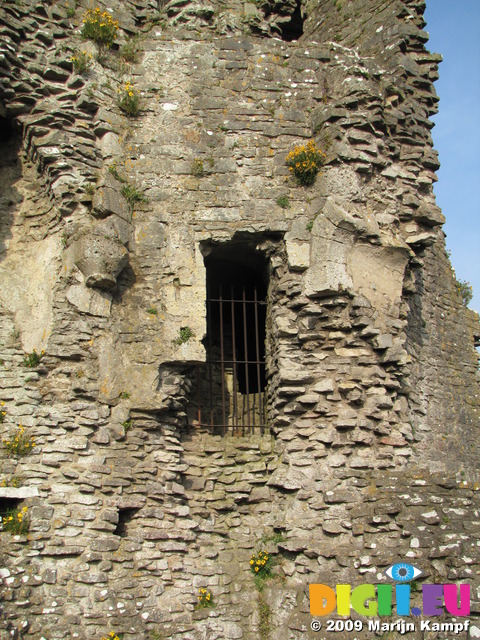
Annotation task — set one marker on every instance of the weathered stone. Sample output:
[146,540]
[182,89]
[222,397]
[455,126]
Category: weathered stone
[287,478]
[108,199]
[366,338]
[100,260]
[96,303]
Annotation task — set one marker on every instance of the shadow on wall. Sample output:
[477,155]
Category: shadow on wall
[10,173]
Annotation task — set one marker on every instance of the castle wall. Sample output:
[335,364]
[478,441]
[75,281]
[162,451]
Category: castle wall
[370,456]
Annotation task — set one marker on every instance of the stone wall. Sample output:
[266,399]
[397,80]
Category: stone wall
[371,455]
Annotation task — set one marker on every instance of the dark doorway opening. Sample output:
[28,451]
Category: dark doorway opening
[231,387]
[293,29]
[6,129]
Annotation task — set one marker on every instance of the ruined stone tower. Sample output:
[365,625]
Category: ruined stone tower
[233,362]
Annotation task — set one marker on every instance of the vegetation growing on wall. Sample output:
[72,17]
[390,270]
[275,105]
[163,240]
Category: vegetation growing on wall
[129,100]
[305,162]
[100,27]
[19,443]
[465,289]
[16,521]
[81,61]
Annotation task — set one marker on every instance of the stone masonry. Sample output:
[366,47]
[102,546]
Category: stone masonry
[370,455]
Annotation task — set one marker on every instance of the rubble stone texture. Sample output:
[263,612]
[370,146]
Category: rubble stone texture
[371,455]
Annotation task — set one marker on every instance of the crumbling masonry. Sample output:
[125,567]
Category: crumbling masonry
[366,452]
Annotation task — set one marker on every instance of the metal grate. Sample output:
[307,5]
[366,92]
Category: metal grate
[231,386]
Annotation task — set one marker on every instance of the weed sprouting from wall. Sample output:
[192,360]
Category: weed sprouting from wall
[81,61]
[32,360]
[205,599]
[305,162]
[16,521]
[184,336]
[19,443]
[100,27]
[129,100]
[465,289]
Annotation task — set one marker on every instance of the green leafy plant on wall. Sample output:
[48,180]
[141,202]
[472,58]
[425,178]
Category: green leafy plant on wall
[197,168]
[13,481]
[16,521]
[113,636]
[32,360]
[305,162]
[130,192]
[71,9]
[283,202]
[127,425]
[185,334]
[261,566]
[129,51]
[81,61]
[133,195]
[100,27]
[19,443]
[465,289]
[205,599]
[129,100]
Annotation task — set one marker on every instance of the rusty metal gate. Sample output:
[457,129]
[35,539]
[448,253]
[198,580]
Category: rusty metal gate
[231,386]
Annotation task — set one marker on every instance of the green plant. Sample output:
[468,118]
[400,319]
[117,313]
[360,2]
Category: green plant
[81,61]
[264,614]
[3,413]
[71,10]
[99,27]
[112,170]
[16,521]
[305,162]
[128,100]
[127,425]
[129,191]
[197,168]
[90,90]
[113,636]
[274,538]
[261,567]
[465,289]
[152,311]
[32,360]
[184,335]
[90,188]
[132,195]
[19,444]
[129,50]
[205,599]
[283,202]
[14,481]
[124,395]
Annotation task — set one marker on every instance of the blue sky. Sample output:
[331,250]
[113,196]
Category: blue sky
[454,28]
